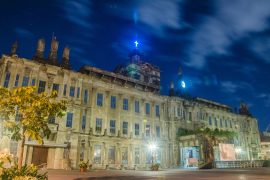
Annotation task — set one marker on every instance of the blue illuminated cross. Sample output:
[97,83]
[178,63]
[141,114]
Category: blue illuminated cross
[136,43]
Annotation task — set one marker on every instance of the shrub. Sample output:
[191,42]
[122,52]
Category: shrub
[155,167]
[9,170]
[83,164]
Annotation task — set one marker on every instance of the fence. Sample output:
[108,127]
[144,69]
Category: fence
[238,164]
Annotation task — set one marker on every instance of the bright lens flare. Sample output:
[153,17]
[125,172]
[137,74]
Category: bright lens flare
[152,146]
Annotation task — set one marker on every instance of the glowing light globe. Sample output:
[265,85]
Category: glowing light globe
[183,84]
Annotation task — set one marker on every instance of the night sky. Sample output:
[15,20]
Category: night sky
[223,46]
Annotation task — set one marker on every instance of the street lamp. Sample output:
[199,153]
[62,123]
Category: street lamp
[152,146]
[239,152]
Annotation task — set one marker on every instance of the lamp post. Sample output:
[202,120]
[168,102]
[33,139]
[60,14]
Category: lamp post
[152,146]
[239,152]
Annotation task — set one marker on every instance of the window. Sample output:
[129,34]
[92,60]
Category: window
[147,108]
[33,82]
[210,121]
[147,130]
[137,106]
[216,122]
[51,120]
[41,86]
[17,80]
[189,116]
[221,123]
[85,97]
[111,155]
[125,128]
[99,99]
[125,104]
[157,111]
[137,129]
[78,92]
[178,111]
[148,157]
[69,120]
[158,156]
[82,150]
[98,125]
[137,155]
[55,87]
[71,91]
[113,102]
[65,90]
[112,126]
[97,154]
[158,131]
[124,155]
[7,78]
[83,122]
[25,81]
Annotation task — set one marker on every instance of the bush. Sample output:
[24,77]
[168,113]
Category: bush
[83,164]
[266,163]
[9,170]
[155,167]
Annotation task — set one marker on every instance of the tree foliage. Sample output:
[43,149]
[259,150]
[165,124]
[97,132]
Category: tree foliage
[212,137]
[26,113]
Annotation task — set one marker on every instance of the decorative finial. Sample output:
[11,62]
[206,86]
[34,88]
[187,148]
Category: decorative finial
[14,48]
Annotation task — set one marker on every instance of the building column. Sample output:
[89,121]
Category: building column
[130,156]
[117,156]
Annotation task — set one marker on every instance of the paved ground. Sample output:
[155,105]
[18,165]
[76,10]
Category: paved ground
[214,174]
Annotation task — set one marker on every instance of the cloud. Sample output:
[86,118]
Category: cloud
[77,12]
[261,46]
[22,32]
[231,22]
[229,86]
[233,87]
[151,16]
[265,97]
[160,15]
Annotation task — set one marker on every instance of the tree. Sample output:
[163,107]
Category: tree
[26,114]
[211,139]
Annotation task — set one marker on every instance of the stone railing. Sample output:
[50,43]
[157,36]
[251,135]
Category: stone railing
[238,164]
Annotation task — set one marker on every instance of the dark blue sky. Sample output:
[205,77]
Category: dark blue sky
[223,46]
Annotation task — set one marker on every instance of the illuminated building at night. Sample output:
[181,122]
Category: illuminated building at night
[112,117]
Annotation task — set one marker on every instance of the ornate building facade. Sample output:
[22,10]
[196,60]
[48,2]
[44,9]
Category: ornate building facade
[111,118]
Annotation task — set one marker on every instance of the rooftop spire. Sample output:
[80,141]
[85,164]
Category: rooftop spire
[53,51]
[171,92]
[14,48]
[40,50]
[65,58]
